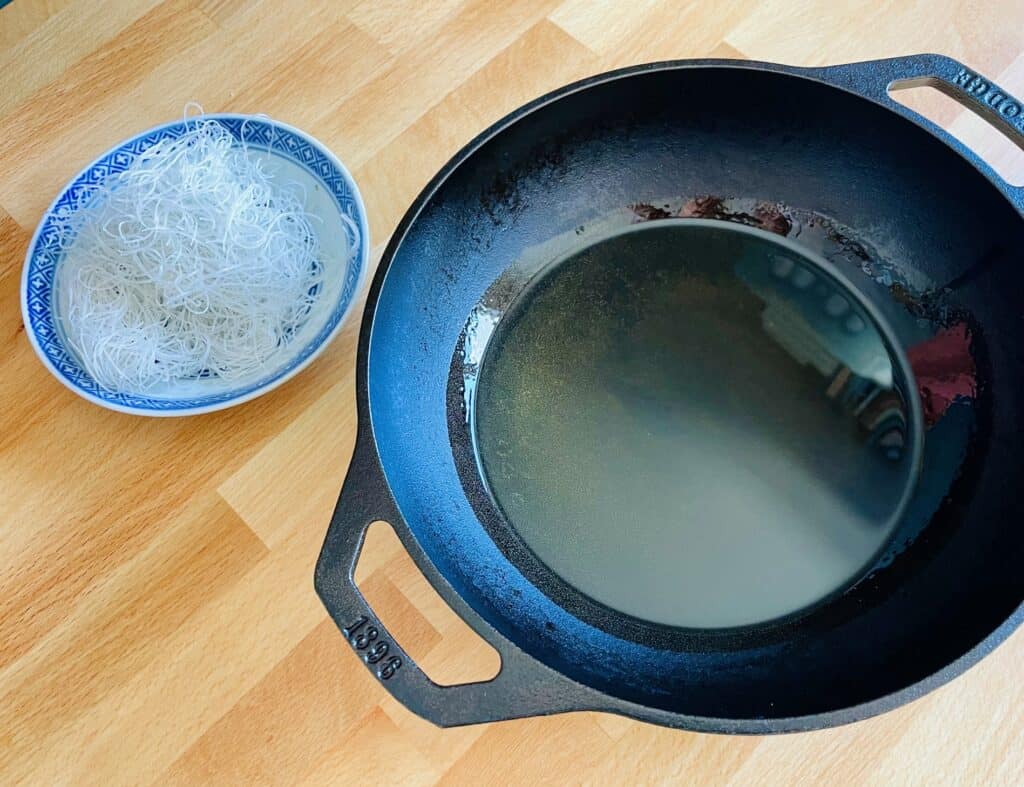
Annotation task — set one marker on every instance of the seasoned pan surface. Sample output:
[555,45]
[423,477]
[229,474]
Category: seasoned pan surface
[923,230]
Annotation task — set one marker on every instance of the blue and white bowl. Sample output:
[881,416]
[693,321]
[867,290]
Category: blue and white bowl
[285,151]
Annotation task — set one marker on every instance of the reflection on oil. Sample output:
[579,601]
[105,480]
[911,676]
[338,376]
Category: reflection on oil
[812,317]
[695,425]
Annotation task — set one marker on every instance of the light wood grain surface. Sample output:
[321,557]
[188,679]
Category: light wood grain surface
[157,615]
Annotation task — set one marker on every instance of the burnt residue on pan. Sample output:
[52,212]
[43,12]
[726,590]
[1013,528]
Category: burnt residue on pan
[771,217]
[645,211]
[945,370]
[818,232]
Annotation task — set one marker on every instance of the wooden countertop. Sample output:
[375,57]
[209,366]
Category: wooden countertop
[157,615]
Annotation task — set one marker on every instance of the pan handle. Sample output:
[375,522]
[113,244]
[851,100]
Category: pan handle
[982,96]
[522,687]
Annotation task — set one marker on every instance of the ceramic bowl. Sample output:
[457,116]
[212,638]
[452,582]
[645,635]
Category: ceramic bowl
[285,152]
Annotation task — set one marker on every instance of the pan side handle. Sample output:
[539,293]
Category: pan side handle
[522,687]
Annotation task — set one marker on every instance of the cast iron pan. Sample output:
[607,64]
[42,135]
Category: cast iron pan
[924,230]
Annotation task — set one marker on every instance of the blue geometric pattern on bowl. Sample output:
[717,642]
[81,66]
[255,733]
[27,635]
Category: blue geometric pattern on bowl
[259,134]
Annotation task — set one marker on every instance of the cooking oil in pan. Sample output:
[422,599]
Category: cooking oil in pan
[696,425]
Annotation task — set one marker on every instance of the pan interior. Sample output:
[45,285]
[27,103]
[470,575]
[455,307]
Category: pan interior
[697,425]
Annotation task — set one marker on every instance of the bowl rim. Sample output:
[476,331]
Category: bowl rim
[362,260]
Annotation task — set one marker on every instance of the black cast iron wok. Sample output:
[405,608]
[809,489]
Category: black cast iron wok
[921,226]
